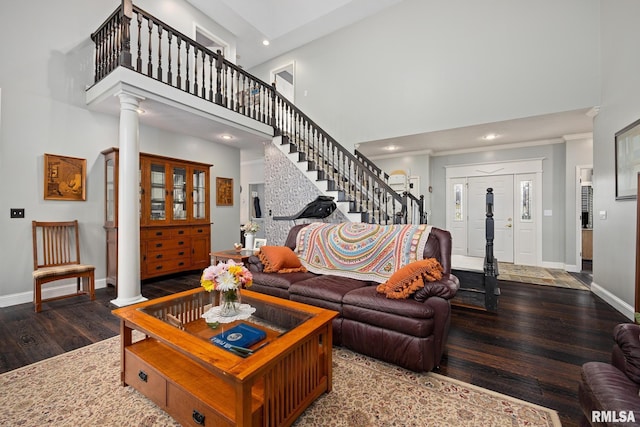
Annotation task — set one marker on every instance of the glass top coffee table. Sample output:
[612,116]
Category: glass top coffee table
[178,367]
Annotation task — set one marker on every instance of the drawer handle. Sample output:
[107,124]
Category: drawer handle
[143,376]
[200,230]
[159,233]
[181,232]
[181,243]
[181,253]
[158,245]
[198,418]
[158,256]
[181,264]
[159,267]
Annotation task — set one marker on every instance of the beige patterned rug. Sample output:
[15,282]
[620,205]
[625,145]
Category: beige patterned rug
[82,388]
[539,276]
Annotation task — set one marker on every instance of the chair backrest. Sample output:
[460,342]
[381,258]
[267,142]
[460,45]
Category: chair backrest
[55,243]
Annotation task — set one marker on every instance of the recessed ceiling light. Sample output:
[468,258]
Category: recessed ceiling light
[265,42]
[490,137]
[227,137]
[140,111]
[391,147]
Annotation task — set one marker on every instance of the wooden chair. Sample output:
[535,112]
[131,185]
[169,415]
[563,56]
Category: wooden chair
[56,256]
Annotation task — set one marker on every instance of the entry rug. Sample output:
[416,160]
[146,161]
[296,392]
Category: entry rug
[82,388]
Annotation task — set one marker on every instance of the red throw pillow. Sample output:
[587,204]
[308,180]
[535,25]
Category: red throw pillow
[279,259]
[410,278]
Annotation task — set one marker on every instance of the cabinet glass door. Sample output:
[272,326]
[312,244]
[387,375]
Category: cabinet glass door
[199,194]
[179,193]
[158,192]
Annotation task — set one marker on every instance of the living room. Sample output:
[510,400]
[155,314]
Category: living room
[576,55]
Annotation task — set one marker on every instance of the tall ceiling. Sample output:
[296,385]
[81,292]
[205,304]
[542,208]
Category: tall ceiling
[289,24]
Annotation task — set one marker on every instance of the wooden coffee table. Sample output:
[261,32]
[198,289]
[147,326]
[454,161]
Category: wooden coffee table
[198,383]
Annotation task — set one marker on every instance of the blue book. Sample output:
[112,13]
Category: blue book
[239,338]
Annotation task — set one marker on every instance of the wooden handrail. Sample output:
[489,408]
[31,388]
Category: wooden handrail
[133,38]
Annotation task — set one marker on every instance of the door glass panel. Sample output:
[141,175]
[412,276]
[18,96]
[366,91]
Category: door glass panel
[111,200]
[180,193]
[199,185]
[457,197]
[525,201]
[158,191]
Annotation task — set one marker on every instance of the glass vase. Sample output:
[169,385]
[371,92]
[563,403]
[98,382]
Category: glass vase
[230,303]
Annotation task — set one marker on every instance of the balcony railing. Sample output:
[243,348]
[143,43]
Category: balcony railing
[133,38]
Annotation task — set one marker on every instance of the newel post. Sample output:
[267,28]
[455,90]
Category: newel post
[489,234]
[126,12]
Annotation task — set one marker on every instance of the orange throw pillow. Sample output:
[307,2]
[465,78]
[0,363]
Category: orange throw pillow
[410,278]
[279,259]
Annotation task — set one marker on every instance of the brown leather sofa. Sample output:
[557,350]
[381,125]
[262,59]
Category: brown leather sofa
[411,333]
[609,392]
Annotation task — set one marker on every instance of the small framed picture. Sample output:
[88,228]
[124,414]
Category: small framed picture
[64,178]
[258,243]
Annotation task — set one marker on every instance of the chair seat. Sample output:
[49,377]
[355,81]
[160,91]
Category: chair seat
[62,270]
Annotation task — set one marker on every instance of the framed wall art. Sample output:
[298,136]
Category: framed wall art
[65,178]
[627,161]
[224,191]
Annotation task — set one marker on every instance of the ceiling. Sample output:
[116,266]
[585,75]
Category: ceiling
[288,24]
[544,129]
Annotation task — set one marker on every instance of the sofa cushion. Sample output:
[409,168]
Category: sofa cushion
[279,259]
[282,280]
[410,278]
[326,287]
[369,298]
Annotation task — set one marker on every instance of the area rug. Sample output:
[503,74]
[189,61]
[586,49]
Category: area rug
[539,276]
[82,388]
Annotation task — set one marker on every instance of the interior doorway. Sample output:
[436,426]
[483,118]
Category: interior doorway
[584,226]
[285,80]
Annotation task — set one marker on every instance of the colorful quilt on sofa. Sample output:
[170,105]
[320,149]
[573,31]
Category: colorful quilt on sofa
[360,251]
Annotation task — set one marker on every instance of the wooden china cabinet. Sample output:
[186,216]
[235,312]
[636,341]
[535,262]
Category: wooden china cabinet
[175,226]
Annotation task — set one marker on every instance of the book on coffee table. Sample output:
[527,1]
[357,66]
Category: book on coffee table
[239,338]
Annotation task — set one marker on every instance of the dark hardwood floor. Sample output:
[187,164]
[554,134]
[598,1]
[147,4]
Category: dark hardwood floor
[532,349]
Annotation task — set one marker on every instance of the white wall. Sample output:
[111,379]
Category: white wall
[614,246]
[47,62]
[426,65]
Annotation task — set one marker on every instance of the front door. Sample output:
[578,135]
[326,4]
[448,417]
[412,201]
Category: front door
[502,215]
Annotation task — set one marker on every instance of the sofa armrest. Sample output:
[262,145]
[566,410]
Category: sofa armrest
[254,264]
[626,352]
[445,288]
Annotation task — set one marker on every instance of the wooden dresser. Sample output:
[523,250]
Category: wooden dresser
[175,226]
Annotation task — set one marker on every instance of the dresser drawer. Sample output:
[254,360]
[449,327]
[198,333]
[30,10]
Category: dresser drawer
[139,375]
[201,230]
[155,233]
[167,266]
[189,411]
[162,245]
[167,254]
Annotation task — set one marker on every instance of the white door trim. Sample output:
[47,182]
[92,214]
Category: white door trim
[509,167]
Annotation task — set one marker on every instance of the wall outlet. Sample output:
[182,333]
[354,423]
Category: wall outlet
[17,213]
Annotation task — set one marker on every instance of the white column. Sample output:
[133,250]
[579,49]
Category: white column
[128,204]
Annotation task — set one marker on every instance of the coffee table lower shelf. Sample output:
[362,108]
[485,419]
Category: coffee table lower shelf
[182,388]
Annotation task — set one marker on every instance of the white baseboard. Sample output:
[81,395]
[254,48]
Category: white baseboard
[51,291]
[613,300]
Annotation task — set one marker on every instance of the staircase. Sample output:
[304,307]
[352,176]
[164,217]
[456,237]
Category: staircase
[132,38]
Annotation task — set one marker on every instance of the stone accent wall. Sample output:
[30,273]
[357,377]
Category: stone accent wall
[287,191]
